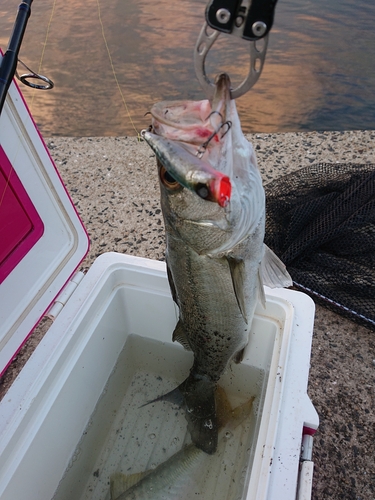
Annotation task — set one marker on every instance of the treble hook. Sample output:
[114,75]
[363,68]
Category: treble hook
[202,148]
[24,79]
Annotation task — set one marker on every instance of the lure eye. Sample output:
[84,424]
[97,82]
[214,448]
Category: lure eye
[202,191]
[168,180]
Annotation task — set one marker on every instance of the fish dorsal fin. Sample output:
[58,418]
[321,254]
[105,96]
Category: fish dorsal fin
[179,335]
[274,273]
[237,271]
[119,483]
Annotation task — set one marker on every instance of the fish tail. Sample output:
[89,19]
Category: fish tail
[197,395]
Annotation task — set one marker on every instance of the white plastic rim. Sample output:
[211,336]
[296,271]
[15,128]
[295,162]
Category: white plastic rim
[45,412]
[31,287]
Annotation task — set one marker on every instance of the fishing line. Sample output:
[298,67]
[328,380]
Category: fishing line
[6,184]
[114,72]
[32,98]
[44,46]
[2,195]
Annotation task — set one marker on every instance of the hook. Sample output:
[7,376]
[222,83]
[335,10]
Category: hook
[202,148]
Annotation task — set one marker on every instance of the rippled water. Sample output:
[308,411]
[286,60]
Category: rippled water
[319,72]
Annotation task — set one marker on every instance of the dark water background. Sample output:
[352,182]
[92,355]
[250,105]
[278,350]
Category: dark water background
[319,72]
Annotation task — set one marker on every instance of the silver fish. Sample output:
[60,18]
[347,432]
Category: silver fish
[165,481]
[213,205]
[168,479]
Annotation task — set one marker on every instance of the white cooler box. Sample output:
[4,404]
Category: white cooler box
[73,416]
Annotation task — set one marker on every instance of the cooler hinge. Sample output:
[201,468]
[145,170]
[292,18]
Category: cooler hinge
[64,295]
[306,469]
[307,446]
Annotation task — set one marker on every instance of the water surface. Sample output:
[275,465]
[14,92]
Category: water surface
[319,72]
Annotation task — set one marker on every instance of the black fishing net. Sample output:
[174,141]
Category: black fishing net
[321,223]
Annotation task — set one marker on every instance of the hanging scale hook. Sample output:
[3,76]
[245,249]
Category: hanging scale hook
[206,39]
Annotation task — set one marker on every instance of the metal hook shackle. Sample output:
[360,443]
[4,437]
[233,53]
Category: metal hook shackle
[202,47]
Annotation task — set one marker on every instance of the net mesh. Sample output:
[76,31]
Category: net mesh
[321,223]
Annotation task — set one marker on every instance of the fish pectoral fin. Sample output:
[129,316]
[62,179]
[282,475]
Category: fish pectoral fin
[274,273]
[179,335]
[119,482]
[237,271]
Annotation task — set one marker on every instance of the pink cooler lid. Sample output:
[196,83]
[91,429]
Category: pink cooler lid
[42,239]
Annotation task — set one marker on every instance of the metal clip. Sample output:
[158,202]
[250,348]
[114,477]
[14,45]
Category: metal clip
[32,74]
[249,19]
[205,41]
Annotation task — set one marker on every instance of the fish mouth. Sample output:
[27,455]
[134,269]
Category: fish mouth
[222,95]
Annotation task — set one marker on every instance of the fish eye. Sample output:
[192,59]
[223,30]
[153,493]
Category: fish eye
[167,179]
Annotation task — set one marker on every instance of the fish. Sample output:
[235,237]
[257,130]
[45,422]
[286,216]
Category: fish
[169,478]
[213,205]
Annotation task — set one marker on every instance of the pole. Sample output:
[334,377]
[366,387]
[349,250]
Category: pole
[9,61]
